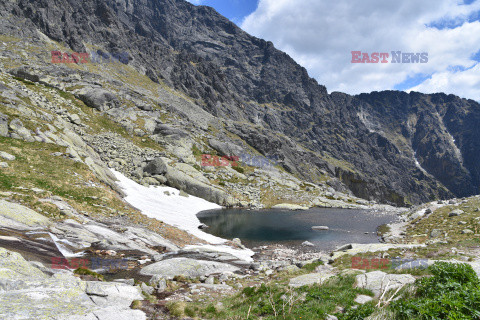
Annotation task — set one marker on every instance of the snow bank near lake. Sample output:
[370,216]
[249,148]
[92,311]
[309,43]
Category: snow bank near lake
[175,210]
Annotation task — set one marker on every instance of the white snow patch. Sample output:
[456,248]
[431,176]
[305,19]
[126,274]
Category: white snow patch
[175,210]
[457,151]
[419,166]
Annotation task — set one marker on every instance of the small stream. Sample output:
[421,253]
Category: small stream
[291,228]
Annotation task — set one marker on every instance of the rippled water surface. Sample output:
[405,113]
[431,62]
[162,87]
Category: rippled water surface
[264,227]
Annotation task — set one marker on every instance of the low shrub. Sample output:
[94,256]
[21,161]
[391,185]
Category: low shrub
[453,292]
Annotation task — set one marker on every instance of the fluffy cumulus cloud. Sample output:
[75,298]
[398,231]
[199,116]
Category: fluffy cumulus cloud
[321,34]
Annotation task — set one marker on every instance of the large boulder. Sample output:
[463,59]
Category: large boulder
[98,98]
[456,213]
[24,73]
[28,293]
[225,148]
[378,281]
[166,130]
[180,180]
[186,267]
[149,125]
[19,131]
[156,166]
[3,125]
[309,279]
[7,156]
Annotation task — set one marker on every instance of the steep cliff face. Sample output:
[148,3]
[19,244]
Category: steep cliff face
[439,131]
[389,146]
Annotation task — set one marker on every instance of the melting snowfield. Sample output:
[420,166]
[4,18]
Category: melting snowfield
[167,205]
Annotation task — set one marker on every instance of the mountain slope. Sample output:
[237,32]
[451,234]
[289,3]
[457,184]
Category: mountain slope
[389,146]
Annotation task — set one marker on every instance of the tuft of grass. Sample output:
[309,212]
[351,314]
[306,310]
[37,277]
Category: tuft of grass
[190,311]
[310,267]
[136,304]
[88,272]
[177,308]
[239,169]
[383,229]
[359,313]
[196,152]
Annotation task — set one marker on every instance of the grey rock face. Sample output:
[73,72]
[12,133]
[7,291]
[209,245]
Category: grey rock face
[3,125]
[180,180]
[186,267]
[20,131]
[166,130]
[28,293]
[98,98]
[16,216]
[225,148]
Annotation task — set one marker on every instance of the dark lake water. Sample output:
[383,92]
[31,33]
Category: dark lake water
[262,227]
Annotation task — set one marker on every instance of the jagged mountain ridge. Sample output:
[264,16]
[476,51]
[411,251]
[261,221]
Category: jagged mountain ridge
[270,102]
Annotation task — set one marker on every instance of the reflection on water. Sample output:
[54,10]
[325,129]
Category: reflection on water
[293,227]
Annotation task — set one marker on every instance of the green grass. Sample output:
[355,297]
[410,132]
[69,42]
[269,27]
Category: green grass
[239,169]
[278,301]
[452,291]
[36,167]
[196,151]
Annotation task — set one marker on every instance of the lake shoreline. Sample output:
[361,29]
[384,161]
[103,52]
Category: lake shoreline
[271,228]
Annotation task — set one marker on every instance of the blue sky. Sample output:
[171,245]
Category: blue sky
[320,35]
[235,10]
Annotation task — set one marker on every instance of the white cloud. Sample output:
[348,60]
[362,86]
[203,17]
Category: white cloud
[195,2]
[321,34]
[464,83]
